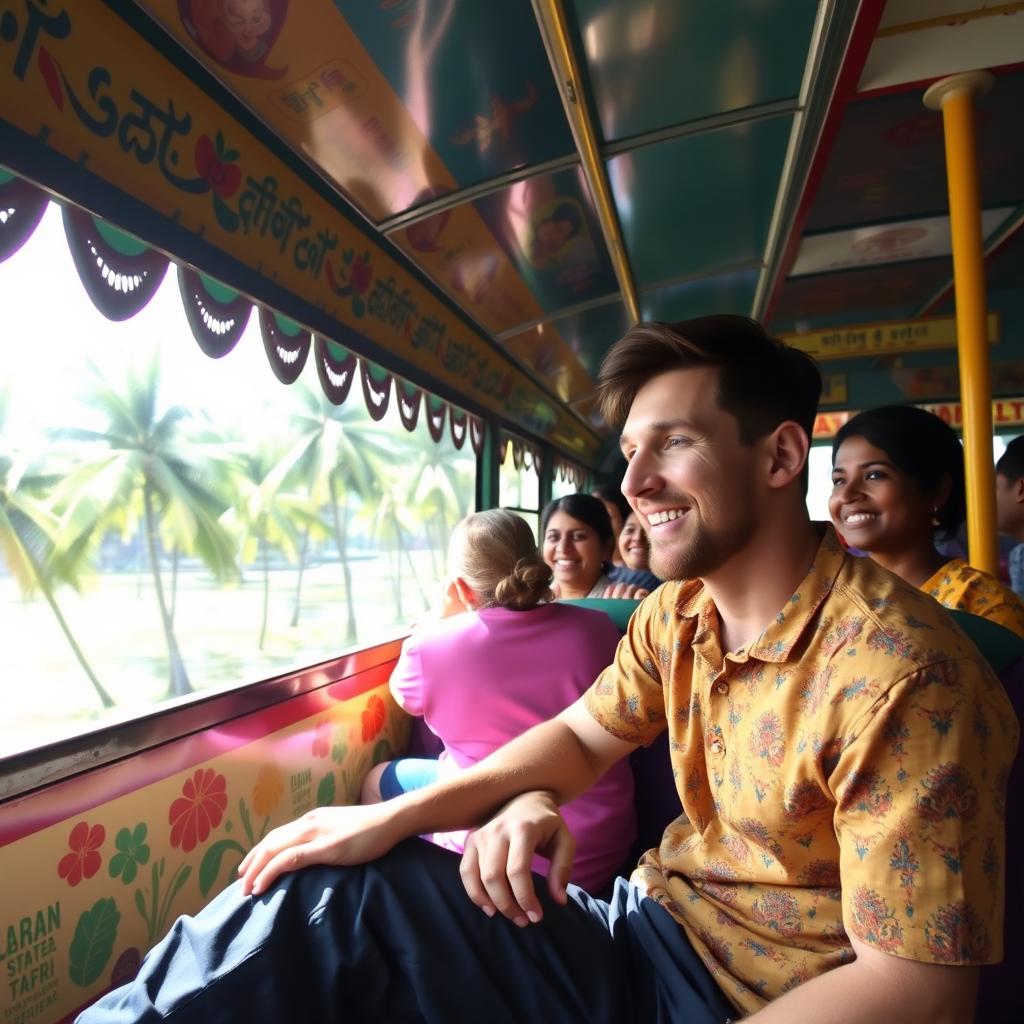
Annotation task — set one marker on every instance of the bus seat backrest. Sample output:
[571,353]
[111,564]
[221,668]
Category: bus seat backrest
[1000,994]
[999,646]
[618,609]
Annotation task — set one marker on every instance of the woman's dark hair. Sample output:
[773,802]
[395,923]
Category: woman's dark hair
[611,493]
[584,507]
[923,446]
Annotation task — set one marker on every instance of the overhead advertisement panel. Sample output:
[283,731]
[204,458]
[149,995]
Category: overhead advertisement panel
[920,239]
[887,337]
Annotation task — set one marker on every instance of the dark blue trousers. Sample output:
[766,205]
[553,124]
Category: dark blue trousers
[398,941]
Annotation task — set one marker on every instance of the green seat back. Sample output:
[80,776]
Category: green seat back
[999,646]
[618,609]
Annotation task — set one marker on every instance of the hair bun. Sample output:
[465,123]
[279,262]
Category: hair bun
[526,586]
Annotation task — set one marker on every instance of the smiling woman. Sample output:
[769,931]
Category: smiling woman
[577,544]
[897,481]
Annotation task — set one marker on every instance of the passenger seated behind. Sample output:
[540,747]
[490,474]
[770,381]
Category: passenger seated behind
[1010,508]
[898,477]
[504,658]
[577,542]
[618,510]
[635,549]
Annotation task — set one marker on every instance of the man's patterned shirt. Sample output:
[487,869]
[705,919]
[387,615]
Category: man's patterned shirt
[844,774]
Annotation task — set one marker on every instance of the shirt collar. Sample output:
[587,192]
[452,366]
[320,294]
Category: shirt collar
[779,638]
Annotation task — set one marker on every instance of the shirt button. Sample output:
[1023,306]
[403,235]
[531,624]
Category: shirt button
[717,748]
[722,687]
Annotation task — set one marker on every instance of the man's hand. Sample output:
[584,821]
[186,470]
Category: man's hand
[327,835]
[496,865]
[628,590]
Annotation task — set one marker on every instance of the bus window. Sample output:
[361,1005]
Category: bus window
[173,523]
[568,478]
[519,479]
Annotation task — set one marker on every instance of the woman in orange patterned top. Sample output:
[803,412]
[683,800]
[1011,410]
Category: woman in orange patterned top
[897,481]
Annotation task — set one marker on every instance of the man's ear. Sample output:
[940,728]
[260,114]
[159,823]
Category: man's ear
[1018,490]
[787,447]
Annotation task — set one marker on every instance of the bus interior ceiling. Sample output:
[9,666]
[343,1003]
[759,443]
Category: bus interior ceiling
[475,200]
[553,173]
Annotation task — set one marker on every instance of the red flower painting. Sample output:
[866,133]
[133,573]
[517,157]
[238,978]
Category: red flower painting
[198,810]
[361,274]
[84,859]
[373,718]
[213,164]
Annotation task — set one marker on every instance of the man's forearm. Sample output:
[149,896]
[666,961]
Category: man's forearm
[548,757]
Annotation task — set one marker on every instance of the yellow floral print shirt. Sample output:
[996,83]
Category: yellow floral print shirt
[961,586]
[846,773]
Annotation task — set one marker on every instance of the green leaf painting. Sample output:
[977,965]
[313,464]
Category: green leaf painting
[93,944]
[209,869]
[325,791]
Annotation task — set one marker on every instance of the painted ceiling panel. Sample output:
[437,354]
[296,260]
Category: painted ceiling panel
[517,254]
[543,350]
[655,63]
[588,334]
[888,162]
[548,228]
[701,201]
[389,99]
[727,293]
[478,85]
[858,296]
[457,250]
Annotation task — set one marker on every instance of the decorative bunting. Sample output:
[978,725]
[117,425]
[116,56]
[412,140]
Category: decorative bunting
[119,273]
[458,421]
[216,314]
[376,388]
[286,344]
[566,470]
[21,209]
[336,372]
[410,400]
[477,433]
[435,417]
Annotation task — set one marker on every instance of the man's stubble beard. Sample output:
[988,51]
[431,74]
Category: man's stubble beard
[705,551]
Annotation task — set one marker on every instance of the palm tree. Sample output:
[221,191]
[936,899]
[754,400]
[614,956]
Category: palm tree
[143,459]
[27,532]
[440,493]
[336,453]
[390,528]
[265,515]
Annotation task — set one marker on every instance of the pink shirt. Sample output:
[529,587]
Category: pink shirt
[481,678]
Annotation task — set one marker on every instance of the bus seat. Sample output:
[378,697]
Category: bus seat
[1000,995]
[618,609]
[999,646]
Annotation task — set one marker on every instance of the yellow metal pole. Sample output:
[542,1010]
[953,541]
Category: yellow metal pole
[954,96]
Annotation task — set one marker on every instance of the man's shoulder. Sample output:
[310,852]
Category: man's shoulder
[885,615]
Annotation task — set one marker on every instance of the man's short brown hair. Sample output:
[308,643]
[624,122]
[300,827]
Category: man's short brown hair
[761,381]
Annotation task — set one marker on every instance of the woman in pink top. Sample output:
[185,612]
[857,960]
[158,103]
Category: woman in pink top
[504,658]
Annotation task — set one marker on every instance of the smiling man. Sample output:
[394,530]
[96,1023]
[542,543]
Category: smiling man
[840,755]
